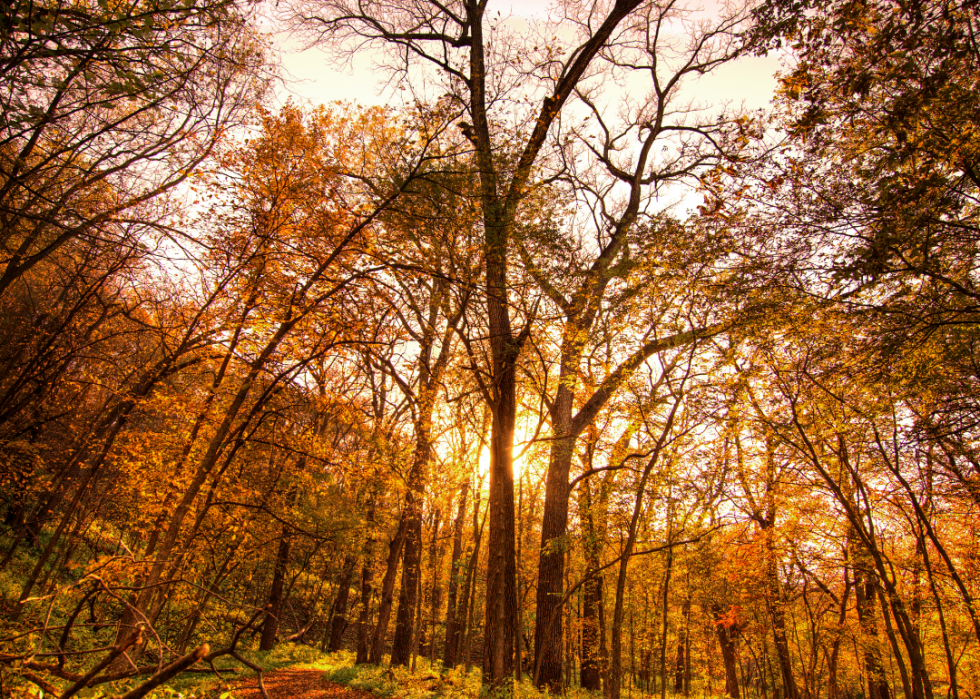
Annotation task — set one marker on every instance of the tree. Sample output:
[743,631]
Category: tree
[106,108]
[634,256]
[455,41]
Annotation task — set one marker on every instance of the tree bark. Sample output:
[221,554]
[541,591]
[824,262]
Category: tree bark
[726,641]
[338,611]
[866,590]
[548,629]
[387,592]
[452,619]
[270,625]
[401,645]
[435,597]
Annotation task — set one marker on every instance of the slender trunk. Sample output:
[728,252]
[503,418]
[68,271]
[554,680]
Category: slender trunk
[435,598]
[954,692]
[866,590]
[467,603]
[616,667]
[338,611]
[909,686]
[417,625]
[726,642]
[401,645]
[775,606]
[452,620]
[367,588]
[593,636]
[682,677]
[833,659]
[270,625]
[592,655]
[664,610]
[387,592]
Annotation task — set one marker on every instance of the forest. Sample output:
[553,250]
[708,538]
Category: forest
[555,371]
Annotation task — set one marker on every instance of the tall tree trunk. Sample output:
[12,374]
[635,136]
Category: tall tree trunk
[435,597]
[616,650]
[270,625]
[909,686]
[548,629]
[367,588]
[430,376]
[387,592]
[498,221]
[726,642]
[833,659]
[866,589]
[591,673]
[401,645]
[954,691]
[682,676]
[775,607]
[466,603]
[501,609]
[455,571]
[338,611]
[665,608]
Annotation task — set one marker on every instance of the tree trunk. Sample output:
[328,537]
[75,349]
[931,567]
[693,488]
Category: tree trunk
[401,645]
[338,611]
[548,628]
[367,587]
[467,601]
[501,608]
[387,592]
[452,619]
[726,641]
[665,608]
[592,657]
[270,625]
[682,667]
[435,598]
[866,589]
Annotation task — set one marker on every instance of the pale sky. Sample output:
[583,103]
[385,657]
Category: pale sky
[314,78]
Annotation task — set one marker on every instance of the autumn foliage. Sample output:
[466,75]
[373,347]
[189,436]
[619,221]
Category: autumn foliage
[660,397]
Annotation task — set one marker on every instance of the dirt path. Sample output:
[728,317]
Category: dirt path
[302,684]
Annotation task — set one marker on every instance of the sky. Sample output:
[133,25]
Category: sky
[313,77]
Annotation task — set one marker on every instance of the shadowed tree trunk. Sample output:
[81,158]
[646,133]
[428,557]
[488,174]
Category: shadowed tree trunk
[455,570]
[387,593]
[270,625]
[338,611]
[726,641]
[401,645]
[435,597]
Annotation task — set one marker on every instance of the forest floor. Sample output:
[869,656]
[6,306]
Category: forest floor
[302,684]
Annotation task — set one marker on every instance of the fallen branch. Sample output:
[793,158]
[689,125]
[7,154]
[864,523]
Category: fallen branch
[34,679]
[169,672]
[83,681]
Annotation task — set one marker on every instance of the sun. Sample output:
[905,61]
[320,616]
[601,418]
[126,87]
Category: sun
[484,464]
